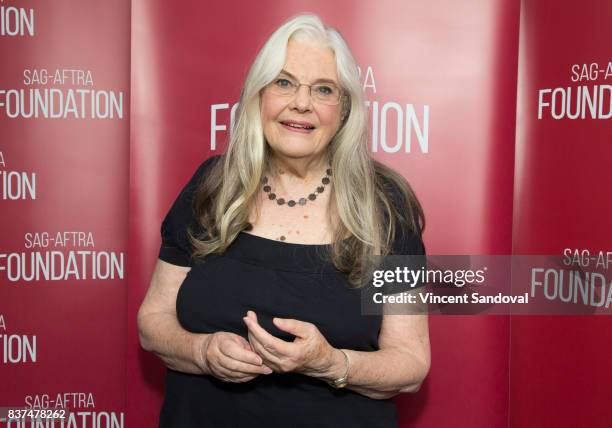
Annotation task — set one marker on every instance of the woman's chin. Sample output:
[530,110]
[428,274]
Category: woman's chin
[296,150]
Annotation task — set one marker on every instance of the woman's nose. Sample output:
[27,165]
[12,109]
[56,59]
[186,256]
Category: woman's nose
[302,99]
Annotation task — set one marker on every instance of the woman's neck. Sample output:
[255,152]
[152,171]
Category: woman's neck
[298,168]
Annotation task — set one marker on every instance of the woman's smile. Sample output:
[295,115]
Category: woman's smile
[301,127]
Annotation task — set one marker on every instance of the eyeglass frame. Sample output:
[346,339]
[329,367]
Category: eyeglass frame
[298,84]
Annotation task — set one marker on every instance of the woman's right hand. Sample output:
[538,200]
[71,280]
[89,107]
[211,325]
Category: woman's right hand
[229,357]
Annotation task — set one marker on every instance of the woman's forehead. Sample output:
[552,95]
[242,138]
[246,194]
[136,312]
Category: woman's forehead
[309,61]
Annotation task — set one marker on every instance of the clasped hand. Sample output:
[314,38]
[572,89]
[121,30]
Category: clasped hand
[232,358]
[308,354]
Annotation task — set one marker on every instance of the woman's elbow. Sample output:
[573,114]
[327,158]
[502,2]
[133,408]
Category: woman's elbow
[143,337]
[420,375]
[411,389]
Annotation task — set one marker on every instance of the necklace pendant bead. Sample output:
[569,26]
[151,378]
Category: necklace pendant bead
[302,201]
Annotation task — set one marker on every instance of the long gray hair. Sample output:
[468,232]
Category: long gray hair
[362,206]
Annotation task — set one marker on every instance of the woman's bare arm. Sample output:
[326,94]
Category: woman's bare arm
[400,365]
[158,326]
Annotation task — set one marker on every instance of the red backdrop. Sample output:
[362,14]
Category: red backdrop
[562,201]
[77,161]
[454,64]
[448,69]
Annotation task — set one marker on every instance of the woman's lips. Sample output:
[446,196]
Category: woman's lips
[298,130]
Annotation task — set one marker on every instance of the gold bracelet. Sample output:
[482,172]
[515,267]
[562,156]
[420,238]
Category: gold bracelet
[343,381]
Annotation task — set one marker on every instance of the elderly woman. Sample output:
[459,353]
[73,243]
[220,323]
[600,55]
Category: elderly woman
[255,304]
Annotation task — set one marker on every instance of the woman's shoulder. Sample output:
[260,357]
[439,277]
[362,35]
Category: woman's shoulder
[400,203]
[205,167]
[201,173]
[184,203]
[176,248]
[395,188]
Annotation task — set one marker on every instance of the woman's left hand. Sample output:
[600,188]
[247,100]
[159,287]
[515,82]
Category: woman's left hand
[308,354]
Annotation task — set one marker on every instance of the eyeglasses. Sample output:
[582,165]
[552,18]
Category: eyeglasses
[324,93]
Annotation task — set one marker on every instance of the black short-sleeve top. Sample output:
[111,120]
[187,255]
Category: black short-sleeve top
[274,279]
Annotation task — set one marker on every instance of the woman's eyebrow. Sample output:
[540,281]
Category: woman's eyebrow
[320,80]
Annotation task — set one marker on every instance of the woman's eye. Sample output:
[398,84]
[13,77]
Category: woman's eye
[283,83]
[325,90]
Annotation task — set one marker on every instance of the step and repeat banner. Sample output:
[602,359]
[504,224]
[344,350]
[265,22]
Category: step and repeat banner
[110,105]
[563,206]
[440,83]
[64,180]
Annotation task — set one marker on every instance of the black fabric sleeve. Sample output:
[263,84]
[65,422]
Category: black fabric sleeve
[406,242]
[175,246]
